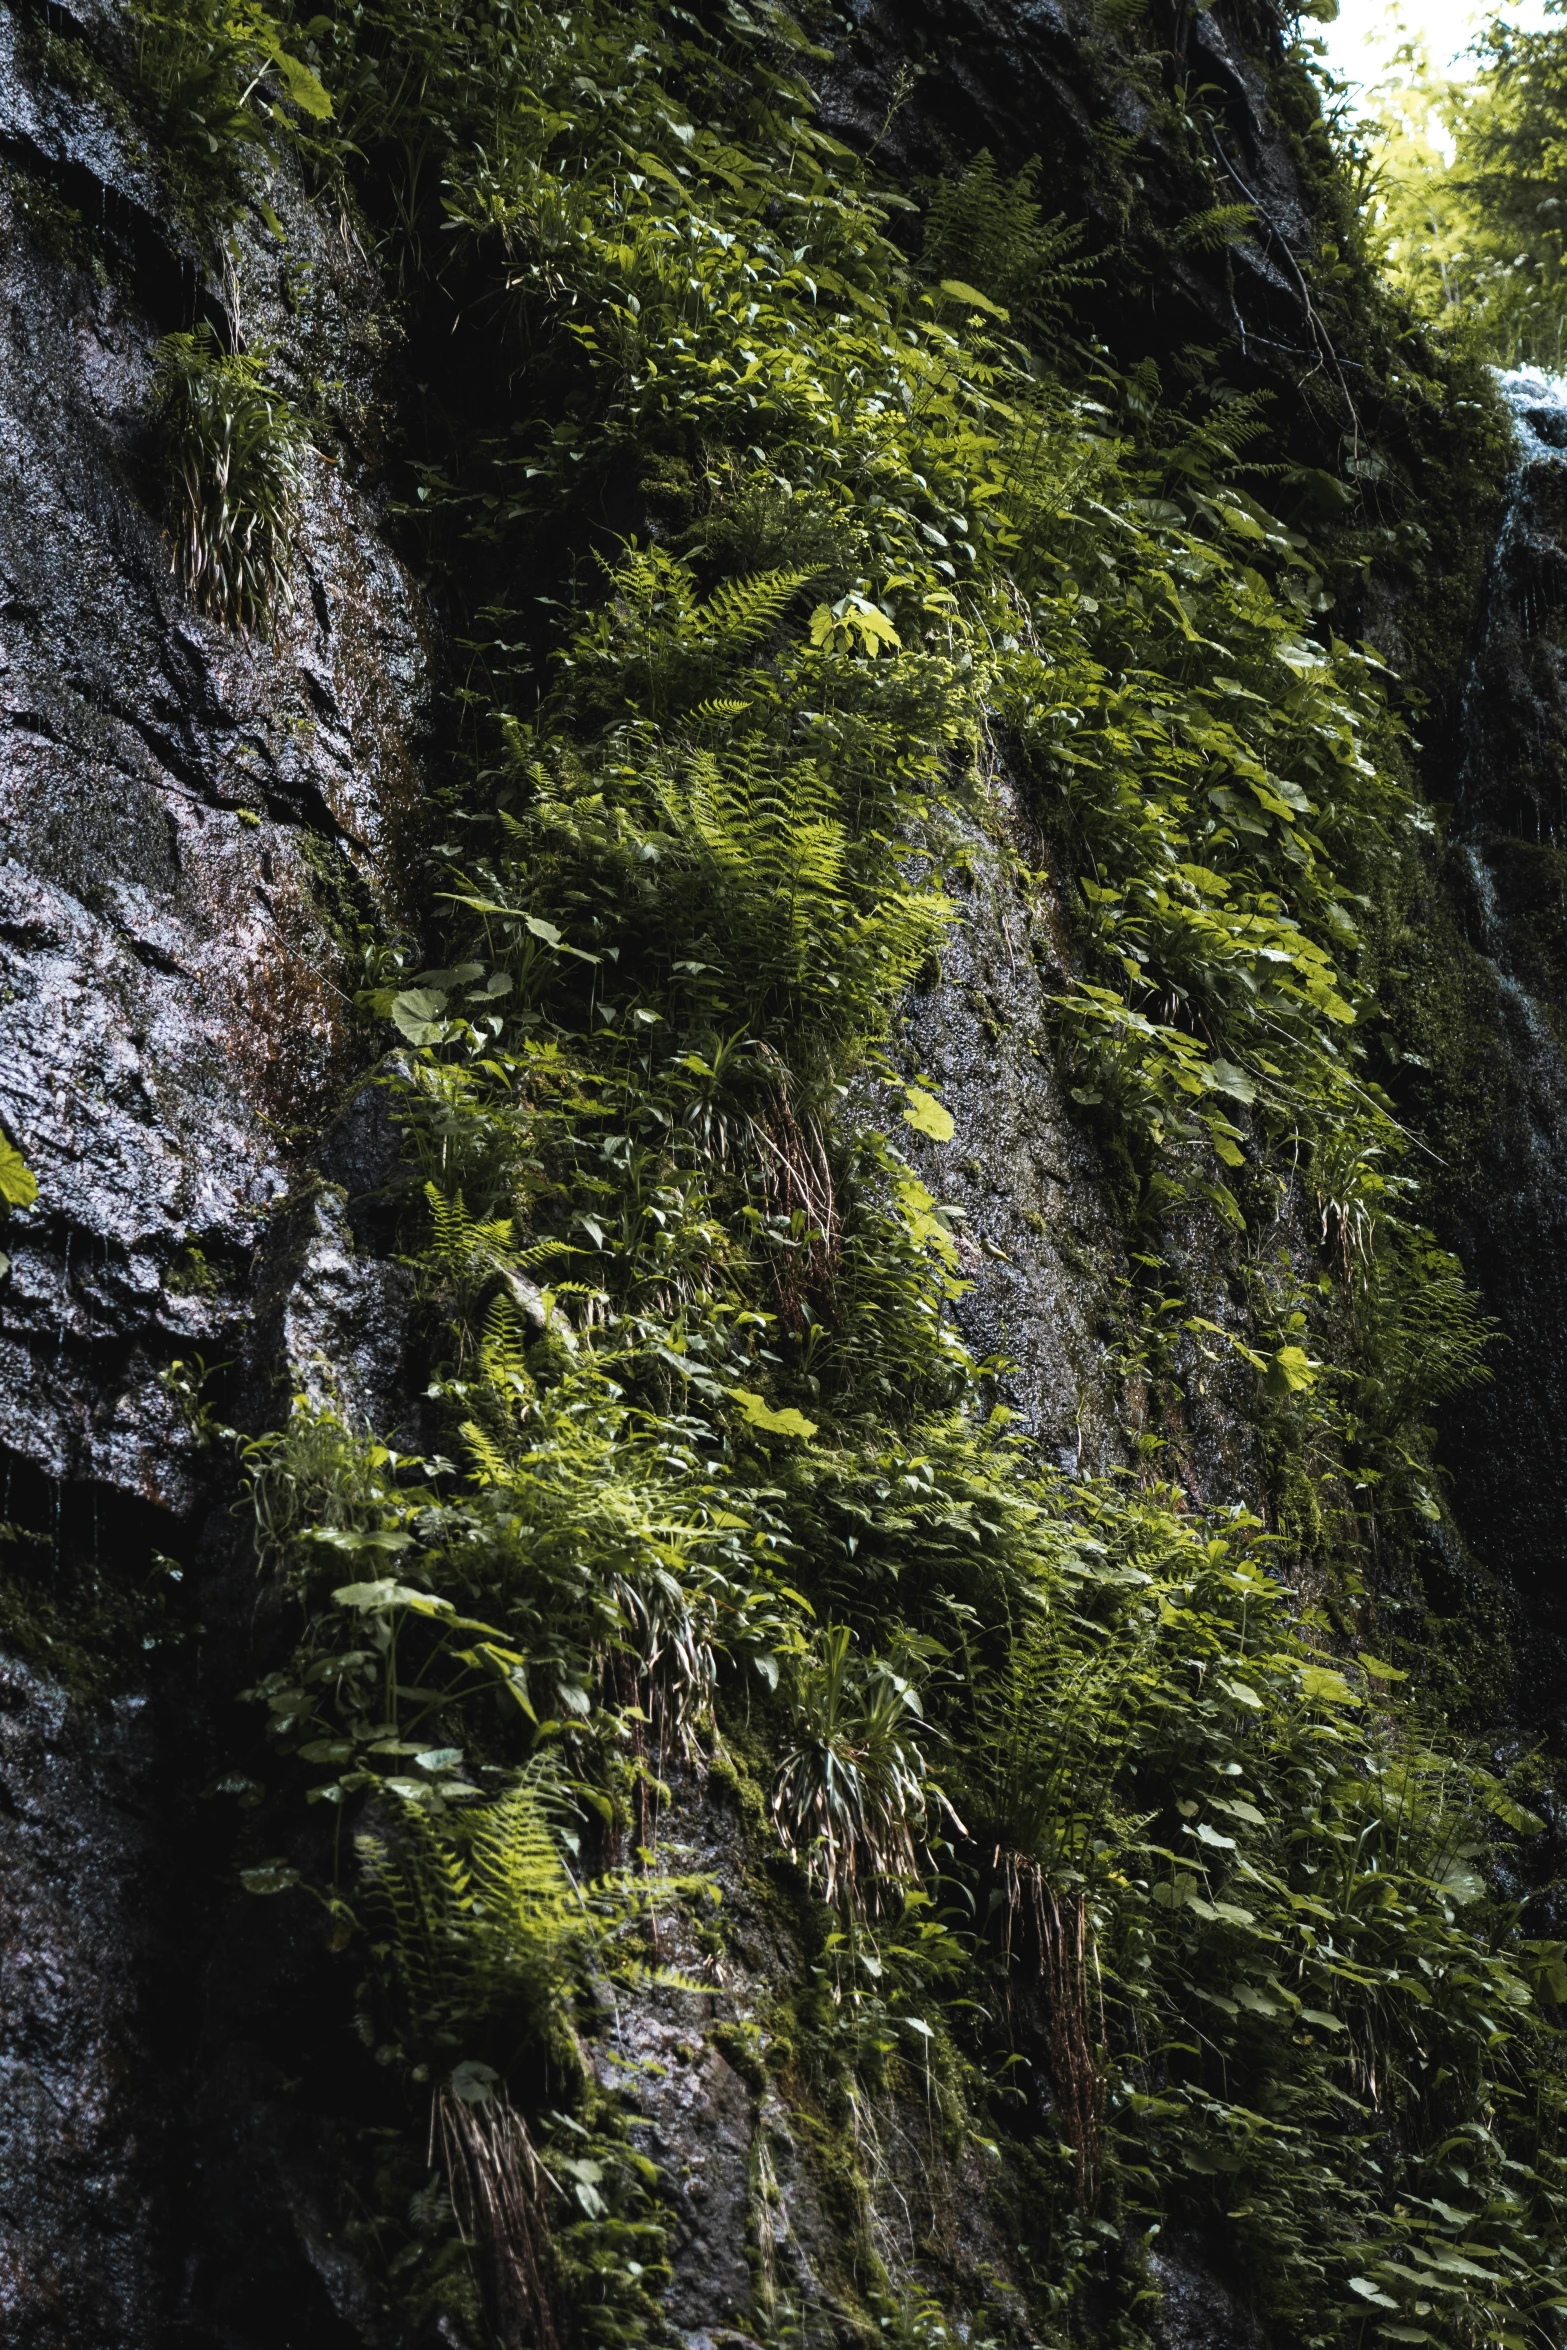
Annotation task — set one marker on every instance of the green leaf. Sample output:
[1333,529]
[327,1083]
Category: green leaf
[1375,1667]
[273,1876]
[417,1013]
[361,1538]
[1370,2292]
[758,1413]
[1293,1370]
[473,2082]
[1462,1882]
[375,1598]
[302,86]
[956,291]
[1235,1082]
[18,1183]
[1327,1687]
[926,1115]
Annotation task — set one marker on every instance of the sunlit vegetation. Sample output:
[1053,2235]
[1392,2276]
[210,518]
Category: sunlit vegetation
[1467,189]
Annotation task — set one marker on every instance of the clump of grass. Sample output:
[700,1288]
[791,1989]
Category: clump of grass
[233,447]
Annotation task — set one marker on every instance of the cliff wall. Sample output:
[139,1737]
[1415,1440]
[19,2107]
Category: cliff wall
[222,878]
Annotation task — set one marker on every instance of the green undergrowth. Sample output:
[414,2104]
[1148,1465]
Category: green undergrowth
[1135,1857]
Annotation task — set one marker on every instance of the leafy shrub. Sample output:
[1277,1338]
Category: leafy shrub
[226,85]
[851,1791]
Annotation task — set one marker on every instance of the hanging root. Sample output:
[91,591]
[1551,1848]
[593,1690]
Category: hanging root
[1071,2013]
[497,2189]
[797,1180]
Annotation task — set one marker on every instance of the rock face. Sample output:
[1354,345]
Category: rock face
[928,84]
[1508,850]
[191,823]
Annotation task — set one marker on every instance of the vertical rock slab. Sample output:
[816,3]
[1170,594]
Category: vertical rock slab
[191,825]
[1507,1442]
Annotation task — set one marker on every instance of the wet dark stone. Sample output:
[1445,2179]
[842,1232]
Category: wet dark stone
[190,825]
[1506,1443]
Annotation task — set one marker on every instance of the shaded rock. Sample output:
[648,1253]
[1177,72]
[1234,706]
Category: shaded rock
[191,825]
[1038,1249]
[88,1935]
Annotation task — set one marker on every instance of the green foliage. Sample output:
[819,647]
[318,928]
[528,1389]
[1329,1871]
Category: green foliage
[226,84]
[476,1917]
[1301,1962]
[18,1183]
[987,230]
[708,1425]
[1467,189]
[850,1795]
[232,449]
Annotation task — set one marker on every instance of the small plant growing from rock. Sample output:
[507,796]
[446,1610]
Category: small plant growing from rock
[232,447]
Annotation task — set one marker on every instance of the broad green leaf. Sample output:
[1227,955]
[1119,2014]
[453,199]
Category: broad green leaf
[473,2082]
[1326,1686]
[418,1013]
[273,1876]
[957,291]
[373,1598]
[18,1183]
[926,1115]
[301,85]
[1462,1882]
[758,1413]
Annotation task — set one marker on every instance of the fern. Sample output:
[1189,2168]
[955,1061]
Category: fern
[477,1917]
[1211,231]
[742,612]
[986,230]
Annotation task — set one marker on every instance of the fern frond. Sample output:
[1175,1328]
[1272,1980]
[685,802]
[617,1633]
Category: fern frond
[1210,231]
[743,611]
[502,1351]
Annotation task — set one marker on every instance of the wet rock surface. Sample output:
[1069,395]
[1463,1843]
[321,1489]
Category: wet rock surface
[926,85]
[1038,1248]
[1507,1442]
[87,1931]
[191,825]
[768,2229]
